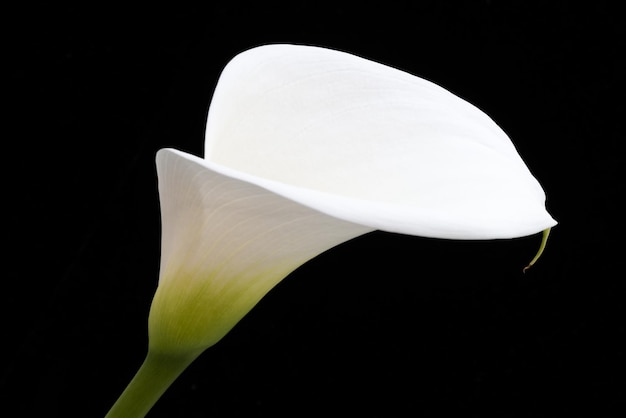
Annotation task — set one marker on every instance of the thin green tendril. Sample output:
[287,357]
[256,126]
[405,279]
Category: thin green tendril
[544,241]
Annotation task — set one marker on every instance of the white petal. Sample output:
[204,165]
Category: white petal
[369,144]
[225,244]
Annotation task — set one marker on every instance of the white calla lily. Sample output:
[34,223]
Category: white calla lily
[306,148]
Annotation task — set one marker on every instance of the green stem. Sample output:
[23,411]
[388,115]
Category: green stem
[155,375]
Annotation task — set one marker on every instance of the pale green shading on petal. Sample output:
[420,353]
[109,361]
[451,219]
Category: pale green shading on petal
[225,244]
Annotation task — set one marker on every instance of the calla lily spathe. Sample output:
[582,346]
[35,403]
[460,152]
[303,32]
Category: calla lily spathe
[307,148]
[225,244]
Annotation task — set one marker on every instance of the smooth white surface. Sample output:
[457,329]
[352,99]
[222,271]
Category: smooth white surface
[369,144]
[232,228]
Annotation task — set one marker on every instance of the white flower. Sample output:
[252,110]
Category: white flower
[306,148]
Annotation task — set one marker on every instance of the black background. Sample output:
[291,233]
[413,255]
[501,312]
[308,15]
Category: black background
[383,324]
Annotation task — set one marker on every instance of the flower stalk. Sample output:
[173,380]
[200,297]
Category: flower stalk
[156,374]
